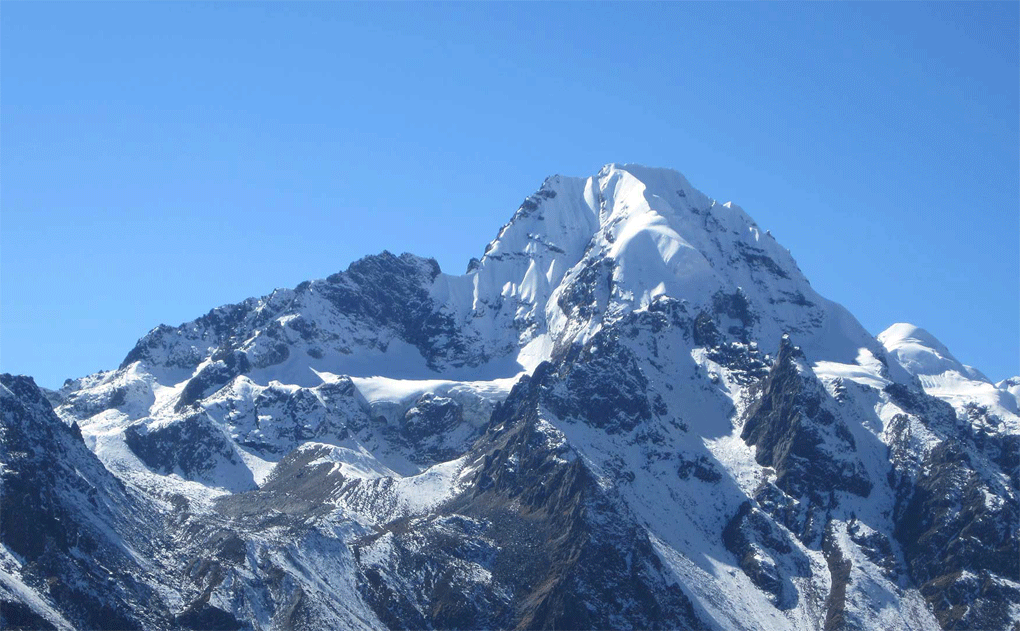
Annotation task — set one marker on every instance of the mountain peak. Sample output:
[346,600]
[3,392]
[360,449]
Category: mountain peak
[905,332]
[598,390]
[921,353]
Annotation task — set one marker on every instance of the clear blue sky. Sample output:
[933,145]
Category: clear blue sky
[159,159]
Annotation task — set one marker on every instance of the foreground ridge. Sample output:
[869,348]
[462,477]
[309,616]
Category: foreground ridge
[632,411]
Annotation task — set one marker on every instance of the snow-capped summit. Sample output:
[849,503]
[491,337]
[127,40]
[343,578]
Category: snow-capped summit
[633,411]
[620,239]
[920,353]
[1012,385]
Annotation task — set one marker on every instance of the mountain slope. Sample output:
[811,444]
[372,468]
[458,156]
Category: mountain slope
[76,550]
[633,411]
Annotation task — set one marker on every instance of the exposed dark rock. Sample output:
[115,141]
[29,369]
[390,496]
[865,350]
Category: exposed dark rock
[296,487]
[836,617]
[701,468]
[205,617]
[786,423]
[735,307]
[876,546]
[226,365]
[427,427]
[757,544]
[17,616]
[218,326]
[55,492]
[604,385]
[589,289]
[193,447]
[564,559]
[85,405]
[757,259]
[957,542]
[706,333]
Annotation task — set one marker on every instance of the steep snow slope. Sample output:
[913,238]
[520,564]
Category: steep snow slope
[633,411]
[920,354]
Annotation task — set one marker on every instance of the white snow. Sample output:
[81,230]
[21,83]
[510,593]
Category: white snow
[923,356]
[643,233]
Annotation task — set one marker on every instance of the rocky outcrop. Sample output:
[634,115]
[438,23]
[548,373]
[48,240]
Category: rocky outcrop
[959,540]
[795,433]
[76,532]
[532,543]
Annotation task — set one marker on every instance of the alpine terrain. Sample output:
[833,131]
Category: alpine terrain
[632,412]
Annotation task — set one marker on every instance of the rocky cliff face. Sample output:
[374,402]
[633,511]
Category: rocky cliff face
[633,411]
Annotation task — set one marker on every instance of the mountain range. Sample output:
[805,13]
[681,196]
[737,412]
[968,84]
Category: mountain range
[632,411]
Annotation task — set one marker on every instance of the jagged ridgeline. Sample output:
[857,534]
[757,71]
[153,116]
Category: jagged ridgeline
[631,412]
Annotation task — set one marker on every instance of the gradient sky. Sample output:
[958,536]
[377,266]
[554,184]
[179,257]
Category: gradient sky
[160,159]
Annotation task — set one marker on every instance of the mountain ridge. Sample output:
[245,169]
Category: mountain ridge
[633,382]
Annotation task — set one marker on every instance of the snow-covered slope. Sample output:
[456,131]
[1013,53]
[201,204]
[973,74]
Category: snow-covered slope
[921,355]
[633,411]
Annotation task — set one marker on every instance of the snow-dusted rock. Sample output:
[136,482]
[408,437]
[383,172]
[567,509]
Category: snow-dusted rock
[633,411]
